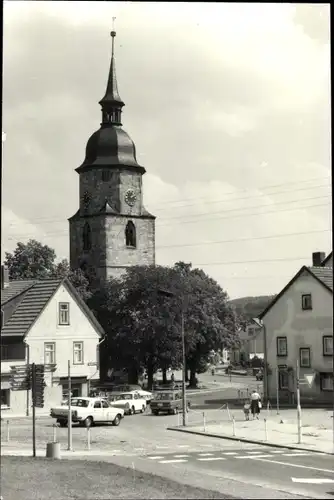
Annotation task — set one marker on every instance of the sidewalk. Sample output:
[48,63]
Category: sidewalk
[272,429]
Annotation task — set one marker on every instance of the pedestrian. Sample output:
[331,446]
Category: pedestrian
[255,404]
[247,407]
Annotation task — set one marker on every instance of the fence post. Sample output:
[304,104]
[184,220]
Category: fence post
[268,408]
[204,426]
[54,433]
[178,419]
[7,431]
[88,438]
[233,425]
[265,430]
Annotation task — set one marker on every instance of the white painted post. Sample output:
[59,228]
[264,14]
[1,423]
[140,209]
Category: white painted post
[299,410]
[88,438]
[277,391]
[7,431]
[204,426]
[228,411]
[265,430]
[54,433]
[233,425]
[178,419]
[69,418]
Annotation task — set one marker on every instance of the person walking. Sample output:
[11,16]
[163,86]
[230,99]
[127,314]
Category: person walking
[255,404]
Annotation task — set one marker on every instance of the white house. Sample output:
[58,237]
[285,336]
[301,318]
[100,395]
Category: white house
[298,325]
[47,322]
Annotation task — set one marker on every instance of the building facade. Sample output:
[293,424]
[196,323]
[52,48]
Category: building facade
[299,328]
[46,322]
[112,230]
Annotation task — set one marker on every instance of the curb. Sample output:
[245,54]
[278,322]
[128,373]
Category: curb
[251,441]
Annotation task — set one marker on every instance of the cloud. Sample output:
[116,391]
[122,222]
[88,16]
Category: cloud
[222,100]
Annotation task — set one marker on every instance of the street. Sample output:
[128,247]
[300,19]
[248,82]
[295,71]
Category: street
[142,442]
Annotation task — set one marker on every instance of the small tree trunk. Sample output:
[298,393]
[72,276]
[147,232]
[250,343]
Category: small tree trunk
[150,377]
[187,375]
[164,376]
[133,375]
[192,378]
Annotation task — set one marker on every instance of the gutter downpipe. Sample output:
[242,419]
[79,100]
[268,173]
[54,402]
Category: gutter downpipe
[28,391]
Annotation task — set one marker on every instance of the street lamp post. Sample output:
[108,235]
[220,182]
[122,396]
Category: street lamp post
[167,293]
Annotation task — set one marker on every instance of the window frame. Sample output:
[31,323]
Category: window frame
[82,352]
[281,374]
[301,349]
[53,351]
[323,376]
[324,338]
[278,354]
[304,306]
[60,310]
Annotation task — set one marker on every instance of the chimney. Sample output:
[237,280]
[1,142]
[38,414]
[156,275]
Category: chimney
[4,277]
[318,258]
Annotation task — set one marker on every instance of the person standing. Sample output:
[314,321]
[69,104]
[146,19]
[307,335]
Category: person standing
[255,404]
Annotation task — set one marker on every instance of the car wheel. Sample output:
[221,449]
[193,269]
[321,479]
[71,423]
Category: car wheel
[88,422]
[62,423]
[155,412]
[142,409]
[117,420]
[175,410]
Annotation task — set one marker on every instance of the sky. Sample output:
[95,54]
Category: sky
[229,108]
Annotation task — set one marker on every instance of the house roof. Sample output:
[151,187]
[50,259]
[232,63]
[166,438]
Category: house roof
[329,256]
[37,295]
[323,275]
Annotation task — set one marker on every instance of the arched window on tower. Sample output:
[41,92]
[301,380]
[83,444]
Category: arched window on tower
[86,238]
[130,234]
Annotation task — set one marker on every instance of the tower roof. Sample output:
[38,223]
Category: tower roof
[111,146]
[111,97]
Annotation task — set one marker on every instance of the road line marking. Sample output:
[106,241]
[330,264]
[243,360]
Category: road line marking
[155,458]
[250,457]
[172,461]
[181,456]
[255,452]
[230,453]
[162,447]
[312,480]
[277,451]
[208,459]
[295,454]
[204,454]
[183,445]
[293,465]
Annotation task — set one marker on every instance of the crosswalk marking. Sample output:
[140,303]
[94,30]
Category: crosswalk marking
[172,461]
[204,454]
[230,453]
[181,456]
[211,459]
[312,480]
[295,454]
[252,457]
[277,451]
[254,452]
[155,458]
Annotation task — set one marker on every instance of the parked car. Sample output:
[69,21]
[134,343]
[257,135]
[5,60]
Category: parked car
[148,396]
[259,375]
[87,411]
[167,402]
[130,402]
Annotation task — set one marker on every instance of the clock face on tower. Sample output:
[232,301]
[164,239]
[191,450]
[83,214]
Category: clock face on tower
[130,197]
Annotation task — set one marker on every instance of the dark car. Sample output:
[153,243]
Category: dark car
[167,402]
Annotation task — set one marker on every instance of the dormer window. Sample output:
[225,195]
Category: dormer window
[130,235]
[307,302]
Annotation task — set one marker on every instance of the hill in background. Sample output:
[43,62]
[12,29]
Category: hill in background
[251,307]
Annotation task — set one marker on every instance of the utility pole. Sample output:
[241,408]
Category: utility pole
[184,402]
[33,393]
[299,411]
[69,419]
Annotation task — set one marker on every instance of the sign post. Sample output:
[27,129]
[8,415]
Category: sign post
[299,411]
[33,386]
[69,419]
[277,390]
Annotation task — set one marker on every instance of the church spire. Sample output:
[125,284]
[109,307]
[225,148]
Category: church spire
[111,103]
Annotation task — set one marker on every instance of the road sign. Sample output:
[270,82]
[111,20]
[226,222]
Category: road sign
[310,378]
[92,363]
[20,378]
[38,386]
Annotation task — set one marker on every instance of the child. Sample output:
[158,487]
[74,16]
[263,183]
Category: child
[247,409]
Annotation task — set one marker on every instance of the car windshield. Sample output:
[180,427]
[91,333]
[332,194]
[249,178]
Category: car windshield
[121,397]
[166,396]
[84,403]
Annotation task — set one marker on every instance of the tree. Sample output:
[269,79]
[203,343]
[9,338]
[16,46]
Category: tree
[33,260]
[144,328]
[30,261]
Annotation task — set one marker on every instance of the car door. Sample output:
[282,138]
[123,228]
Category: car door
[108,412]
[98,411]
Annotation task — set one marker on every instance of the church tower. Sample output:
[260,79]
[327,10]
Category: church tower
[111,230]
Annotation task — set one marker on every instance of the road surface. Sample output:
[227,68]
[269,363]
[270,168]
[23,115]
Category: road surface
[143,443]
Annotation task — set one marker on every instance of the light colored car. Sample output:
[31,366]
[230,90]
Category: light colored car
[130,402]
[148,396]
[87,411]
